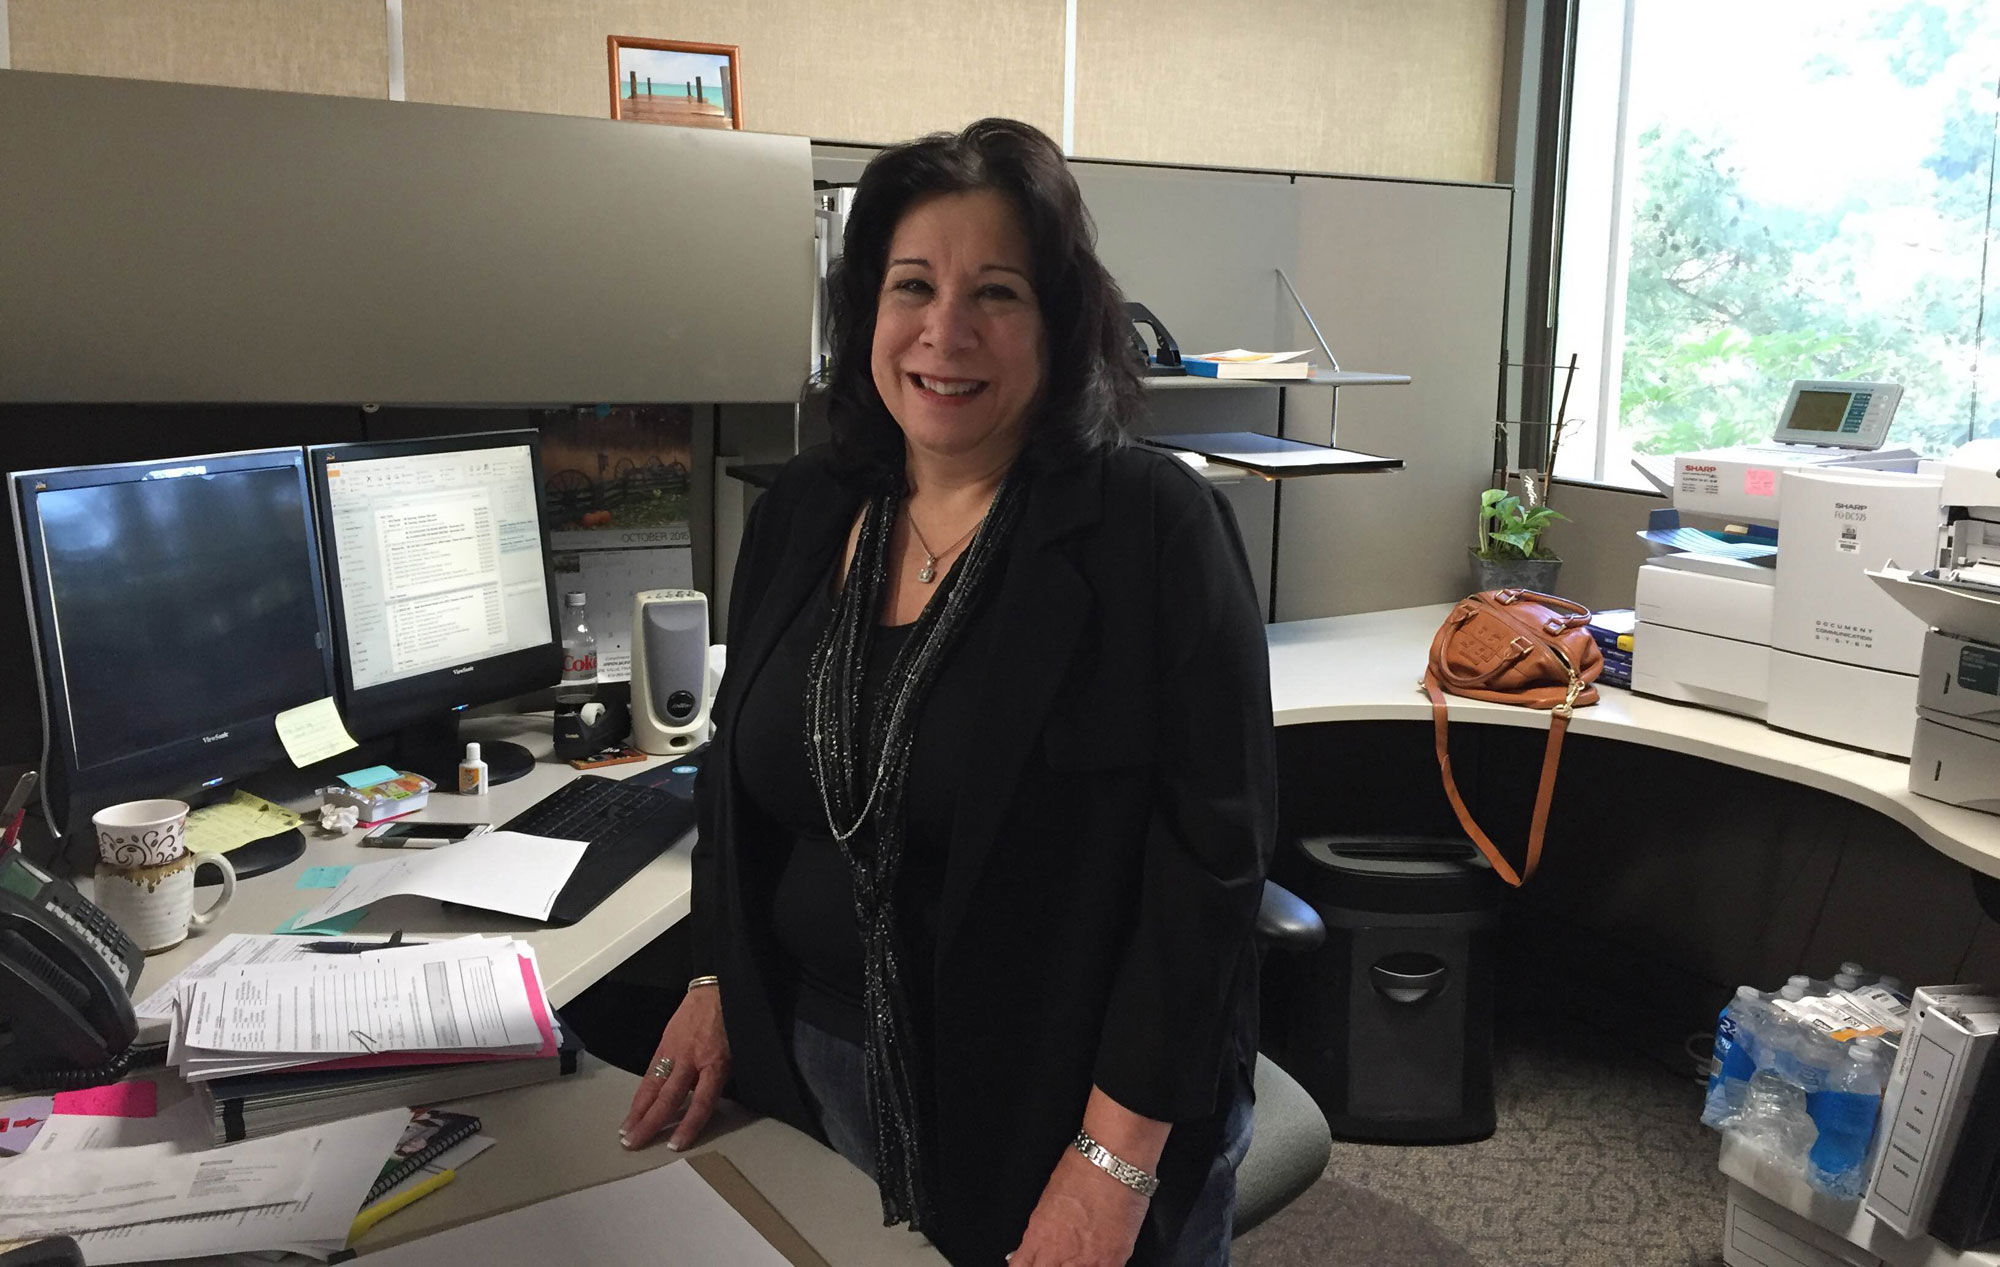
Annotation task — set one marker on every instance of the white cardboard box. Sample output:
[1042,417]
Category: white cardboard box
[1758,1232]
[1952,1031]
[1843,703]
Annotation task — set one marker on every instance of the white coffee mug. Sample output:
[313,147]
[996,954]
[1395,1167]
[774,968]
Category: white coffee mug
[141,833]
[155,905]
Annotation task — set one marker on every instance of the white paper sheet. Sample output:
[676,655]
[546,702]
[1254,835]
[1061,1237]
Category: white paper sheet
[344,1160]
[182,1128]
[506,871]
[60,1193]
[669,1215]
[442,998]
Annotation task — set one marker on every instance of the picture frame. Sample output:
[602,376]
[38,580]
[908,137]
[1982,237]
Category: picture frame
[676,82]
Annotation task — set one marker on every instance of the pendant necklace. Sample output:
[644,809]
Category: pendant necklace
[928,572]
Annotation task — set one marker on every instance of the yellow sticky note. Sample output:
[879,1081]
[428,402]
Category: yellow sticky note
[236,822]
[313,732]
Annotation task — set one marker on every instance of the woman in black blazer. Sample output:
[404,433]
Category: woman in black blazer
[988,813]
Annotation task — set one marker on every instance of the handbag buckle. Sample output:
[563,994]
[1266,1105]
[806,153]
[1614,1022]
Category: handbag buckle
[1521,645]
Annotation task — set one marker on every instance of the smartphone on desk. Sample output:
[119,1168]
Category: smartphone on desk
[402,835]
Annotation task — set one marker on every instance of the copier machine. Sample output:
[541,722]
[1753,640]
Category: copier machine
[1956,752]
[1802,640]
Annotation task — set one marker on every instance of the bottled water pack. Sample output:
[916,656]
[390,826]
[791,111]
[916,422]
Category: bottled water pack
[1797,1075]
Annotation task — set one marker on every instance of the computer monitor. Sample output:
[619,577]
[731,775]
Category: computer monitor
[176,607]
[442,597]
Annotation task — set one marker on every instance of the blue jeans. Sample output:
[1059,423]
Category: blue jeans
[836,1093]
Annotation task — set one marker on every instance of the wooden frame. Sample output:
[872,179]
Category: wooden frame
[690,108]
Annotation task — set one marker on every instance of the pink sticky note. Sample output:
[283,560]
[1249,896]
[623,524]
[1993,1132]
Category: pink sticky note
[121,1099]
[1758,483]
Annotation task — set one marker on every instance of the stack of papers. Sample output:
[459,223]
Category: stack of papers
[1243,363]
[472,998]
[170,1199]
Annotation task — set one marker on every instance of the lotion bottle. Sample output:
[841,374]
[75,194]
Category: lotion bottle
[472,773]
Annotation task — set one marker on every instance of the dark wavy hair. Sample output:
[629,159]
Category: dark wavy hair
[1091,393]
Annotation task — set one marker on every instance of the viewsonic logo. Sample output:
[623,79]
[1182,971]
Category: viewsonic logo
[464,668]
[220,734]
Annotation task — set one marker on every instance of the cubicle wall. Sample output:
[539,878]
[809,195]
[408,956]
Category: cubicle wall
[175,242]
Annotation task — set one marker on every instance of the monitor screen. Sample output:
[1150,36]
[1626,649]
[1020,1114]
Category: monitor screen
[1819,410]
[177,608]
[439,557]
[183,605]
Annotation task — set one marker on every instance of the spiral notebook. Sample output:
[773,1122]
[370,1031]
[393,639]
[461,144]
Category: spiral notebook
[430,1134]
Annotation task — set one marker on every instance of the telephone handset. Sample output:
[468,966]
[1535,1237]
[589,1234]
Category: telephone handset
[66,977]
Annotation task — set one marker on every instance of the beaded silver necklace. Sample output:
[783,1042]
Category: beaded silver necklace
[838,755]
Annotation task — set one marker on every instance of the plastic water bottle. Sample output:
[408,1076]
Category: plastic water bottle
[1774,1122]
[1741,1031]
[1845,1115]
[579,649]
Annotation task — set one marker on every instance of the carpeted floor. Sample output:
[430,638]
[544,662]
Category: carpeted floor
[1599,1160]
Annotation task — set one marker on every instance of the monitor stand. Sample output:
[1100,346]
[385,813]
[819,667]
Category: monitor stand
[433,749]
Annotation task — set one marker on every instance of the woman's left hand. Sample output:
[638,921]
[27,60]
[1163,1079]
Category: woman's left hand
[1085,1218]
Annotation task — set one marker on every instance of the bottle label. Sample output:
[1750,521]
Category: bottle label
[468,780]
[575,665]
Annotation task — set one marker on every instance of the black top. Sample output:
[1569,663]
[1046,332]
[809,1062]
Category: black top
[1114,814]
[811,906]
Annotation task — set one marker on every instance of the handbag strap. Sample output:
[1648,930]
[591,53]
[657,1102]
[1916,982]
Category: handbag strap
[1544,794]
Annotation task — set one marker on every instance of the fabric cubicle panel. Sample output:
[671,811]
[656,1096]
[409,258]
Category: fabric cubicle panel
[340,47]
[184,242]
[1409,278]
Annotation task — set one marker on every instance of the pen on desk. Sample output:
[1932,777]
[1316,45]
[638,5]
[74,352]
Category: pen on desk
[389,1205]
[17,809]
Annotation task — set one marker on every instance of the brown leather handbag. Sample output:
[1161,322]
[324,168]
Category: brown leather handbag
[1513,647]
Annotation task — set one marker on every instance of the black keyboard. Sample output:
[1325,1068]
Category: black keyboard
[627,826]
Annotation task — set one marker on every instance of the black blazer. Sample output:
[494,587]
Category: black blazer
[1109,846]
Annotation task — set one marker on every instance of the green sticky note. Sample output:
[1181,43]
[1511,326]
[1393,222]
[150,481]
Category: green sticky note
[323,877]
[373,774]
[326,928]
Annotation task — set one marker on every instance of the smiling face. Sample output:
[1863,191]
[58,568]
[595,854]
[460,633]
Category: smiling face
[960,354]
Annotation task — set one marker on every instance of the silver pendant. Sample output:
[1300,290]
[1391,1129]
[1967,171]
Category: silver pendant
[925,574]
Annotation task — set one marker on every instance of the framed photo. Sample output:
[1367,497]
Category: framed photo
[673,81]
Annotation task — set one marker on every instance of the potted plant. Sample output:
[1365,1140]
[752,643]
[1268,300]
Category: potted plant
[1510,554]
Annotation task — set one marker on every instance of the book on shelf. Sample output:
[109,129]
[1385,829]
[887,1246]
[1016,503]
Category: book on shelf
[1243,363]
[252,1106]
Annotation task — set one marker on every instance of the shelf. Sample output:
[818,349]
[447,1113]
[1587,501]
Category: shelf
[1274,458]
[1319,378]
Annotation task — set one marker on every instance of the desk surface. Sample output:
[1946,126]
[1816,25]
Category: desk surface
[572,958]
[1366,668]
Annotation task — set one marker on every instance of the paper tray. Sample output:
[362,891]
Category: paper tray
[1956,611]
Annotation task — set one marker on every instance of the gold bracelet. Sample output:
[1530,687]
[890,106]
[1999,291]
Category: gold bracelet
[699,982]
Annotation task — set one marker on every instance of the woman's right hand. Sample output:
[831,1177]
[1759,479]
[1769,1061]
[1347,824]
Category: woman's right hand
[696,1043]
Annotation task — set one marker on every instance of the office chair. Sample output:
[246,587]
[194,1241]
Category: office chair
[1289,1142]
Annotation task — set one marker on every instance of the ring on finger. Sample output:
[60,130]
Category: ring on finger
[661,1067]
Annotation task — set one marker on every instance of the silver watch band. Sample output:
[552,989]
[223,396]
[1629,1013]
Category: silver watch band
[1117,1167]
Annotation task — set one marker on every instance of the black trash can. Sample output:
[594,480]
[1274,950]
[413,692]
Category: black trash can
[1389,1024]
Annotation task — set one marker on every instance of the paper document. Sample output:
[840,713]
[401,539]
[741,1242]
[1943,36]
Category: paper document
[506,871]
[669,1215]
[63,1193]
[433,999]
[341,1161]
[236,822]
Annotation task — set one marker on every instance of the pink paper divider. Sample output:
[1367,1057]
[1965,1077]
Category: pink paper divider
[140,1098]
[536,1003]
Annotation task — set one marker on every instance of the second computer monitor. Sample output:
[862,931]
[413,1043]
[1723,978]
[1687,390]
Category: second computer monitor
[441,596]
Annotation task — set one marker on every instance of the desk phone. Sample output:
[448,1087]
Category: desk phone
[66,976]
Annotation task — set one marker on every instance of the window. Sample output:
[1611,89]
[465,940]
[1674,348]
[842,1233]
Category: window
[1771,190]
